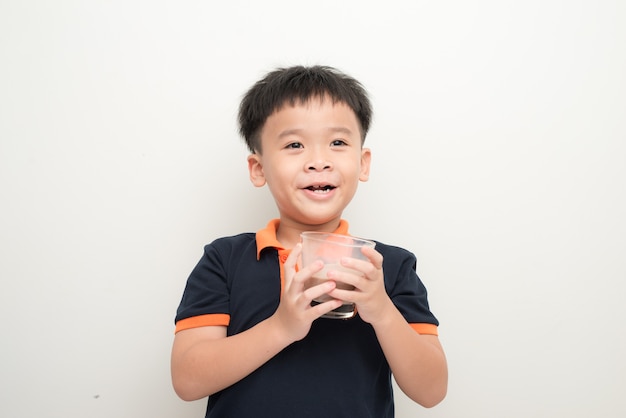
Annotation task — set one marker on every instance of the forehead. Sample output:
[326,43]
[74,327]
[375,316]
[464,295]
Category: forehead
[312,114]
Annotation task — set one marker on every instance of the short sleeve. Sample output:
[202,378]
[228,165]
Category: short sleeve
[405,288]
[206,291]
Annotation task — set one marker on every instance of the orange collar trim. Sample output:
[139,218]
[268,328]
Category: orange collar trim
[266,237]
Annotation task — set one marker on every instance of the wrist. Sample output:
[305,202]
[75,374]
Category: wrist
[278,331]
[385,316]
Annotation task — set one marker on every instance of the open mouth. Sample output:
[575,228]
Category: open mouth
[321,188]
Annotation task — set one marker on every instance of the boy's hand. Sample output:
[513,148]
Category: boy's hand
[369,293]
[295,314]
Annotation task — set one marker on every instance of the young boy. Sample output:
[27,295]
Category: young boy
[247,335]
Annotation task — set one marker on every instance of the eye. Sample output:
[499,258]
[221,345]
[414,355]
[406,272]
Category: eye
[294,145]
[338,143]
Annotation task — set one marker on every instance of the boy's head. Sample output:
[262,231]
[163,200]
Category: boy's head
[299,84]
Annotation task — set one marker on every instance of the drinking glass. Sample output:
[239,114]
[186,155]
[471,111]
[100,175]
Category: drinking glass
[330,248]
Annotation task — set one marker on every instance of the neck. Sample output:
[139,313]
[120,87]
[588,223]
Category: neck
[288,232]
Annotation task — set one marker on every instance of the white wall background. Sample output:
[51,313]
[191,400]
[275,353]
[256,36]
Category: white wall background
[499,148]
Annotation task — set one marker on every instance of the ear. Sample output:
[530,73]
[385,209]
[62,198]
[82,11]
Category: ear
[366,159]
[255,167]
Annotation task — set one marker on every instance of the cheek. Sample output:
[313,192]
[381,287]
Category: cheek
[358,170]
[278,181]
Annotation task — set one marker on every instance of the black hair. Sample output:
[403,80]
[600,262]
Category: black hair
[294,85]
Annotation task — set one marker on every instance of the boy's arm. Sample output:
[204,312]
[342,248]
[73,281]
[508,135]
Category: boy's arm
[417,361]
[204,360]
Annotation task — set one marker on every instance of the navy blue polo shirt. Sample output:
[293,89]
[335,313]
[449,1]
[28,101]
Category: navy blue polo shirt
[337,370]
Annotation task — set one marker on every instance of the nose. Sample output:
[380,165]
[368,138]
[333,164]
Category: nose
[319,165]
[318,158]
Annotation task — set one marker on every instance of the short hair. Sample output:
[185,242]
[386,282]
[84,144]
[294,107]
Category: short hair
[299,84]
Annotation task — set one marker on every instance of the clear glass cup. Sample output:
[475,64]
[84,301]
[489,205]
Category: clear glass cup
[330,248]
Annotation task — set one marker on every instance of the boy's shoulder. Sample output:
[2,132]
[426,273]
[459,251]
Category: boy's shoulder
[241,237]
[231,242]
[382,248]
[394,255]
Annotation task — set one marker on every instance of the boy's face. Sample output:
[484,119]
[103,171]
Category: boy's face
[312,161]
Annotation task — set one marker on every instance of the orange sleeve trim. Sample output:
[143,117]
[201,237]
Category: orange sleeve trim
[202,321]
[425,329]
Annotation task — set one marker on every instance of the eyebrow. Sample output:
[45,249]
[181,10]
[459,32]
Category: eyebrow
[334,129]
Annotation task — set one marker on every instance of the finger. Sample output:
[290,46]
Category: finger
[318,290]
[373,256]
[325,307]
[290,262]
[351,296]
[350,277]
